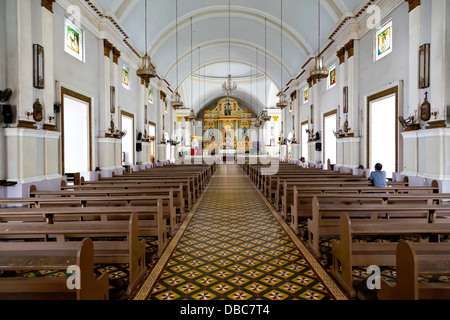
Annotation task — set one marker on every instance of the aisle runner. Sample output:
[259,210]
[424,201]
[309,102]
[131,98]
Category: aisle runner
[232,247]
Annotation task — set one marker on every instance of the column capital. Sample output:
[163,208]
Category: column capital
[341,55]
[413,4]
[48,4]
[116,55]
[349,47]
[107,46]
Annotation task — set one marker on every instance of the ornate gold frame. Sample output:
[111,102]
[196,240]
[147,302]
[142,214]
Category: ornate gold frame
[73,94]
[370,99]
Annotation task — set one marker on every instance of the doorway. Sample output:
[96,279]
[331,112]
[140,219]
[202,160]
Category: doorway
[304,137]
[382,130]
[329,138]
[152,137]
[127,126]
[76,132]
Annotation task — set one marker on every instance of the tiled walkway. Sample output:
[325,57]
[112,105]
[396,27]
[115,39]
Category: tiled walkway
[233,247]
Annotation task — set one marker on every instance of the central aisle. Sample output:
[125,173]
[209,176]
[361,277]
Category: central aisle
[233,247]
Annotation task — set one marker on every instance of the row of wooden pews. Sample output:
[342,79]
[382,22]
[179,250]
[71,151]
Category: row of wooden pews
[345,208]
[94,223]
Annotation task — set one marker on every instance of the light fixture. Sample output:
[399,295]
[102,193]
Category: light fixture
[265,116]
[192,117]
[146,71]
[282,103]
[177,103]
[319,72]
[228,85]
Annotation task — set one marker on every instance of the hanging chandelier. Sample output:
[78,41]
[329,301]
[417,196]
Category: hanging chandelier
[229,86]
[177,103]
[192,117]
[319,72]
[282,103]
[146,70]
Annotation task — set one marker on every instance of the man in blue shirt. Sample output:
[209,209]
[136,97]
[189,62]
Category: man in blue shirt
[378,177]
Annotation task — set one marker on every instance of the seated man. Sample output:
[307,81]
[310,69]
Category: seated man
[378,177]
[303,162]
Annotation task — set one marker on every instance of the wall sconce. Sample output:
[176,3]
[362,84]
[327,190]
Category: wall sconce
[435,113]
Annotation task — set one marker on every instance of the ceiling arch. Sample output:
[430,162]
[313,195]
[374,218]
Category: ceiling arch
[210,25]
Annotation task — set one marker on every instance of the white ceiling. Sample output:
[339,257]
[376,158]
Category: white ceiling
[248,40]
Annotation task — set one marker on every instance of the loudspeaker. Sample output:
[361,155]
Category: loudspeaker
[318,146]
[139,136]
[138,147]
[7,115]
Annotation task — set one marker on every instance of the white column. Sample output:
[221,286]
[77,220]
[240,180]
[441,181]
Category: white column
[19,53]
[105,122]
[316,155]
[353,87]
[437,57]
[342,83]
[414,44]
[115,82]
[49,86]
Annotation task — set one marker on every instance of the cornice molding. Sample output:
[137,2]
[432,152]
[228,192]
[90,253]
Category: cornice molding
[48,4]
[413,4]
[107,48]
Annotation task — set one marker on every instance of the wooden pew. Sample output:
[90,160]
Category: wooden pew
[130,182]
[130,251]
[347,254]
[325,219]
[412,260]
[150,223]
[301,209]
[118,195]
[48,256]
[288,196]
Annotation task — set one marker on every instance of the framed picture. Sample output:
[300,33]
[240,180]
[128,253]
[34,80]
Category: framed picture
[125,77]
[38,111]
[150,95]
[73,40]
[345,102]
[383,41]
[424,66]
[113,99]
[332,77]
[38,66]
[306,95]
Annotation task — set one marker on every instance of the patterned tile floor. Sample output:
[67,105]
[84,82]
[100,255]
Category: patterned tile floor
[234,248]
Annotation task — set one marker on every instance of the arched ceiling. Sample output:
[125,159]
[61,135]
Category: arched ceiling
[255,30]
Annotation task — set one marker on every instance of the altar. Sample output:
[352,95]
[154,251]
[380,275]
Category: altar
[227,130]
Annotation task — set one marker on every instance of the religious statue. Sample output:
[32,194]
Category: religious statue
[425,109]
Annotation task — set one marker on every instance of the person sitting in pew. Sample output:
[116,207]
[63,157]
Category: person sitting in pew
[378,177]
[303,162]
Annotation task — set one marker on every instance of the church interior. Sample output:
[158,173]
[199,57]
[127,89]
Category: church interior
[224,150]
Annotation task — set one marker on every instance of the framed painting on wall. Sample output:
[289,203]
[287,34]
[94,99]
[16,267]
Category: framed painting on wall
[306,95]
[332,77]
[345,102]
[150,95]
[73,40]
[383,41]
[125,77]
[113,99]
